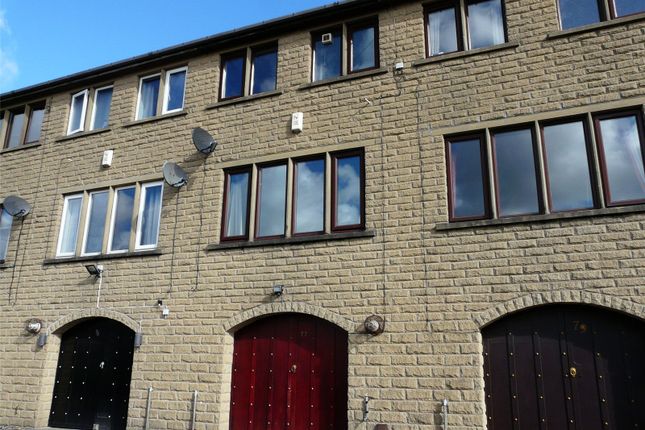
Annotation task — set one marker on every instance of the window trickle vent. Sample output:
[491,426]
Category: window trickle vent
[327,39]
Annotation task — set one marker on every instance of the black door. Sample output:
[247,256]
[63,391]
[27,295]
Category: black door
[92,384]
[565,367]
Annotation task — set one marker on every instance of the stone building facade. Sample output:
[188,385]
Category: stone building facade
[438,272]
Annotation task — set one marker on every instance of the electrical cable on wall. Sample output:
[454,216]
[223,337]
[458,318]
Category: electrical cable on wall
[174,238]
[199,236]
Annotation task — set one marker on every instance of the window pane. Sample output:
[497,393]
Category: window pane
[272,200]
[348,191]
[485,23]
[327,61]
[264,72]
[15,129]
[76,115]
[628,7]
[35,124]
[568,166]
[97,212]
[516,180]
[148,97]
[466,182]
[150,215]
[237,204]
[5,232]
[623,157]
[309,196]
[176,84]
[122,219]
[102,108]
[69,230]
[574,13]
[233,77]
[442,32]
[363,52]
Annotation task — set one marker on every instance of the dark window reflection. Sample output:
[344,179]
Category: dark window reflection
[237,204]
[485,23]
[96,222]
[442,32]
[568,166]
[35,124]
[309,196]
[15,129]
[265,67]
[362,48]
[628,7]
[327,56]
[102,108]
[348,191]
[233,77]
[176,90]
[122,224]
[515,173]
[574,13]
[623,158]
[467,183]
[272,200]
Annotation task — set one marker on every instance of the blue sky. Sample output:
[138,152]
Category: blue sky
[47,39]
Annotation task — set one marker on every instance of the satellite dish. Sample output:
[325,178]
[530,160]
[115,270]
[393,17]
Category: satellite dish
[203,141]
[16,206]
[174,175]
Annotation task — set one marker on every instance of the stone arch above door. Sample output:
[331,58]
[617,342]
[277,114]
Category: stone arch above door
[79,315]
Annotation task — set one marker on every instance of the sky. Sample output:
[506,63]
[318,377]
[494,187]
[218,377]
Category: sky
[42,40]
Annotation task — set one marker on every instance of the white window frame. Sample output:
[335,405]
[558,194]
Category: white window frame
[112,219]
[87,221]
[4,247]
[81,125]
[142,200]
[96,92]
[141,79]
[62,225]
[166,90]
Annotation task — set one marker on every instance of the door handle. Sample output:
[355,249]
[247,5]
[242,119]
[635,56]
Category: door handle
[293,368]
[573,372]
[102,364]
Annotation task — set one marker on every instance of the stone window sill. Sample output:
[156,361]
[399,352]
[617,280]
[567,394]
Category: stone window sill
[21,147]
[344,78]
[292,240]
[244,99]
[83,258]
[155,118]
[82,134]
[541,218]
[596,26]
[462,54]
[4,265]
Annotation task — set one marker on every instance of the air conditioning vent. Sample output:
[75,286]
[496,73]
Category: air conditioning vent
[327,39]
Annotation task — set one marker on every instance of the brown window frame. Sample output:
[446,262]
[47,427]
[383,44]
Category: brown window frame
[258,195]
[318,34]
[223,59]
[33,107]
[334,189]
[485,175]
[597,117]
[254,52]
[294,192]
[590,160]
[352,27]
[536,164]
[612,10]
[21,138]
[224,224]
[436,7]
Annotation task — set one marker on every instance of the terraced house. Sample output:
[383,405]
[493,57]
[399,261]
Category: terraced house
[416,215]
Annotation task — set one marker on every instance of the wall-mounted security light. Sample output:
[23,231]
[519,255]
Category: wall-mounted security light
[33,326]
[138,339]
[278,290]
[42,340]
[374,324]
[94,269]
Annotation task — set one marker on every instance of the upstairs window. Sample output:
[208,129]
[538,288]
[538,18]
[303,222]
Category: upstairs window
[5,232]
[238,80]
[23,126]
[360,41]
[173,85]
[576,13]
[99,101]
[485,25]
[115,220]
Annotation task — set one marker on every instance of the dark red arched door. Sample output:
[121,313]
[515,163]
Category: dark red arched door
[289,372]
[569,367]
[92,384]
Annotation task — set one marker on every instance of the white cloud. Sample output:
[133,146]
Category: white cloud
[8,65]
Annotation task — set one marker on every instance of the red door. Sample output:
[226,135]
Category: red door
[289,372]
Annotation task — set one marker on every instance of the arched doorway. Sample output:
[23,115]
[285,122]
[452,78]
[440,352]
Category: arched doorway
[565,367]
[289,371]
[92,385]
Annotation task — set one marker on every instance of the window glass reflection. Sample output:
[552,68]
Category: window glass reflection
[622,150]
[15,129]
[176,86]
[35,124]
[362,48]
[327,57]
[5,232]
[149,97]
[467,183]
[96,222]
[265,67]
[485,23]
[122,219]
[348,191]
[442,32]
[233,78]
[102,108]
[69,230]
[150,215]
[628,7]
[574,13]
[237,204]
[272,200]
[309,196]
[567,165]
[515,173]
